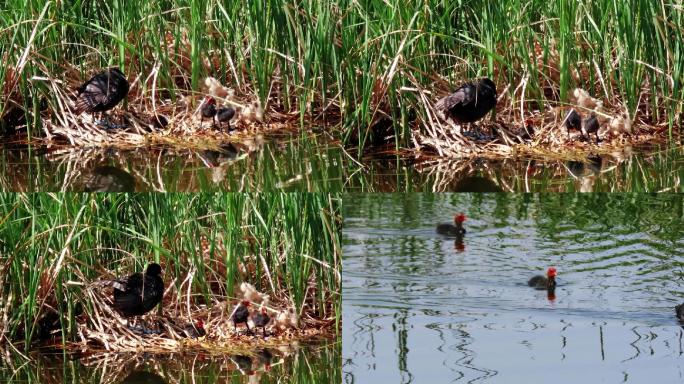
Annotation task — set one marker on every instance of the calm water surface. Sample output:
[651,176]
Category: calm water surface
[422,308]
[310,363]
[652,169]
[283,164]
[312,164]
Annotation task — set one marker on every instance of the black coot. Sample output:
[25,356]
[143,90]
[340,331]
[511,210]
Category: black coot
[470,102]
[102,92]
[139,293]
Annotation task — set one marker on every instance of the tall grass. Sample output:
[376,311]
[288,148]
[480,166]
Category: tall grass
[343,60]
[288,243]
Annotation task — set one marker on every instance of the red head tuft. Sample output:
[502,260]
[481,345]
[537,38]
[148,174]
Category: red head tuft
[246,303]
[199,324]
[263,310]
[460,218]
[209,100]
[551,272]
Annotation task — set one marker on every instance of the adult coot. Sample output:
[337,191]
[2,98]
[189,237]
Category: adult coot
[470,102]
[102,92]
[139,293]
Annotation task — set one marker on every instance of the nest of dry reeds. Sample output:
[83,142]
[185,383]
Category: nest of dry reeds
[100,326]
[538,134]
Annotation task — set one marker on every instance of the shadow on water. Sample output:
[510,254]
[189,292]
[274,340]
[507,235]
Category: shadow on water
[315,363]
[421,307]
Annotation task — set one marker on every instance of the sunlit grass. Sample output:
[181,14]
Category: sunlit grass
[343,60]
[288,243]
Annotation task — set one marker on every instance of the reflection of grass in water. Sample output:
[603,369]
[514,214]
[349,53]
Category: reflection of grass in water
[289,164]
[648,171]
[284,244]
[307,364]
[343,61]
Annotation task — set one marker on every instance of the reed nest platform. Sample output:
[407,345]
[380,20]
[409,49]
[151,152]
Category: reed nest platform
[518,132]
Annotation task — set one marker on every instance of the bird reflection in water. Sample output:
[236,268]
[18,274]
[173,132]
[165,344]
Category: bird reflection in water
[265,357]
[459,245]
[476,184]
[143,377]
[215,158]
[592,164]
[243,364]
[109,179]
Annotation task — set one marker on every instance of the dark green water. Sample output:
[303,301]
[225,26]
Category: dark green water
[285,164]
[627,170]
[422,308]
[293,164]
[314,363]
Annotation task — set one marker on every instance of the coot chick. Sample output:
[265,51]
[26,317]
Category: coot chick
[541,282]
[261,319]
[241,314]
[679,310]
[470,102]
[102,92]
[573,121]
[195,330]
[225,114]
[453,230]
[591,125]
[208,110]
[139,293]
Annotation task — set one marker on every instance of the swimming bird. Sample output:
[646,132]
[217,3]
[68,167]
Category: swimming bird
[241,314]
[453,230]
[679,310]
[547,282]
[470,102]
[261,319]
[573,121]
[102,92]
[225,114]
[139,293]
[208,110]
[591,125]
